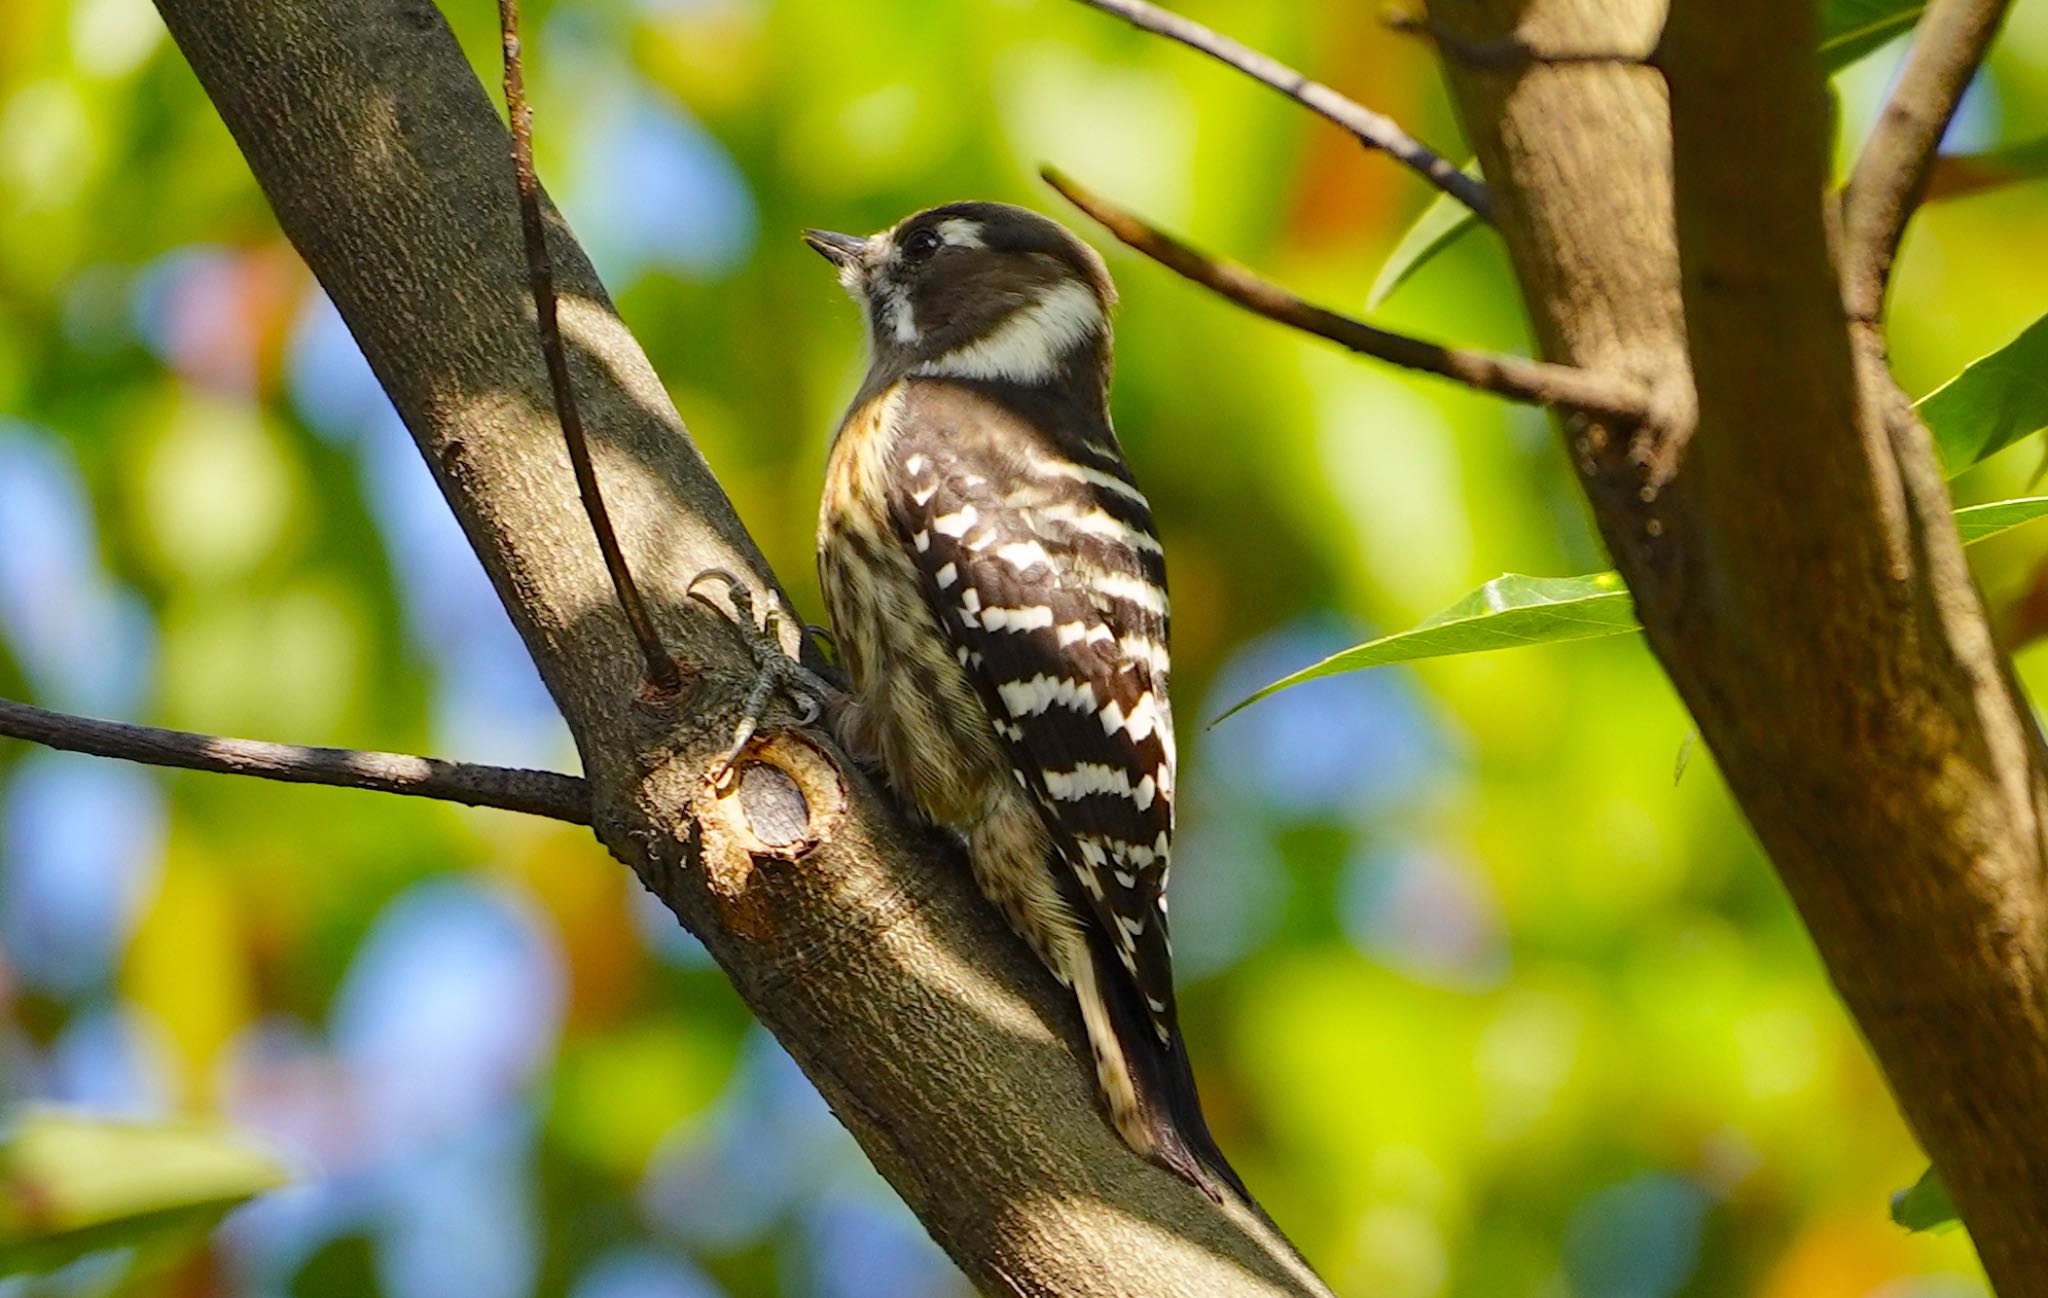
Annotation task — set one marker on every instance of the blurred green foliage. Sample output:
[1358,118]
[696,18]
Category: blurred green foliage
[1482,1003]
[70,1186]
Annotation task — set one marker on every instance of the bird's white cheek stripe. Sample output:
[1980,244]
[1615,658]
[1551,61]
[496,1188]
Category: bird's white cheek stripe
[902,317]
[898,316]
[1030,345]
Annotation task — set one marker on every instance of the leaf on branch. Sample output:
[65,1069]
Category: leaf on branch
[1442,223]
[72,1185]
[1959,175]
[1981,522]
[1514,610]
[1925,1205]
[1850,29]
[1507,612]
[1994,402]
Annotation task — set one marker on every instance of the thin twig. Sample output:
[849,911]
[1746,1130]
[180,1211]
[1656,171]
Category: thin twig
[537,793]
[1604,397]
[663,679]
[1374,130]
[1891,174]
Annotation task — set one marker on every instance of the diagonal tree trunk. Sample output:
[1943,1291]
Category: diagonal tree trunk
[931,1032]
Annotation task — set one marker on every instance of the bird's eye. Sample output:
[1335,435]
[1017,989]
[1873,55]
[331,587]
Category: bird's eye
[921,244]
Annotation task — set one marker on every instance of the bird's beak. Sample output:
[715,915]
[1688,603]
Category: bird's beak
[841,250]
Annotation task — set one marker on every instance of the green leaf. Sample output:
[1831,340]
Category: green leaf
[1994,402]
[1925,1205]
[1981,522]
[71,1185]
[1850,29]
[1509,611]
[1513,610]
[1959,175]
[1441,224]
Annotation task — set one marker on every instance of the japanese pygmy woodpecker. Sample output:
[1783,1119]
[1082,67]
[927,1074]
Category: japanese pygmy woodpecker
[998,596]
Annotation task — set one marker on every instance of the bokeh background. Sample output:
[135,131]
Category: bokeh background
[1484,1000]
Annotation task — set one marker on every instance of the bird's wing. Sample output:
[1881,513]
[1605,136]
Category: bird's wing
[1042,568]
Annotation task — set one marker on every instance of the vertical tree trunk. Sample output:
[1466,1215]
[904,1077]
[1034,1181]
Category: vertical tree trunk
[1787,538]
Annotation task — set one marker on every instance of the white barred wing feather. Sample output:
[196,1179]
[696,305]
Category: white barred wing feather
[1040,563]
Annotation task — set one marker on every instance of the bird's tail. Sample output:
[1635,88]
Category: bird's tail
[1148,1085]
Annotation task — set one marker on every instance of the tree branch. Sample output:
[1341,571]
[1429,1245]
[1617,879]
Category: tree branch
[537,793]
[663,681]
[1374,130]
[1891,174]
[858,940]
[1512,377]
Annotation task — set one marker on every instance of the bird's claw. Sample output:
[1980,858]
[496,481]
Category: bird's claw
[775,671]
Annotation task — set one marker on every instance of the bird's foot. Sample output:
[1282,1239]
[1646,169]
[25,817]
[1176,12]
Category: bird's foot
[775,671]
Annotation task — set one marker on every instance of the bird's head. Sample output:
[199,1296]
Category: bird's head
[979,291]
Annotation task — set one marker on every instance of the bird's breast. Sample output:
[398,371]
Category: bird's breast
[915,707]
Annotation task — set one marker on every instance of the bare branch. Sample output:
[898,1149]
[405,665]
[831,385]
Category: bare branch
[1891,174]
[1374,130]
[1617,401]
[663,680]
[537,793]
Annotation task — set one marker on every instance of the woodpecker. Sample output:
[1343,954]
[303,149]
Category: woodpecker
[998,597]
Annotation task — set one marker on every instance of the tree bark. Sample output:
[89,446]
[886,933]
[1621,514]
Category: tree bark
[1786,534]
[860,943]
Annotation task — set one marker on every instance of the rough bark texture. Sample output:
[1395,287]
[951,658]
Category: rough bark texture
[929,1030]
[1787,537]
